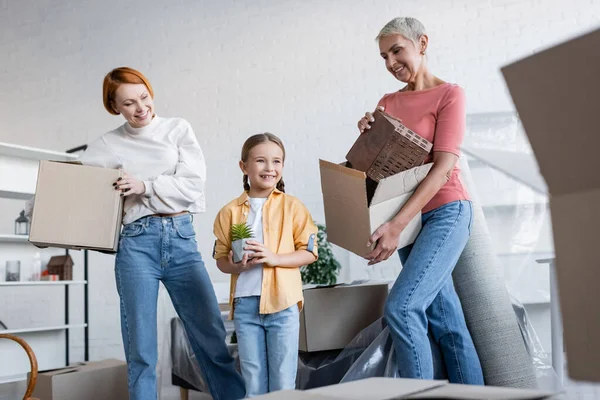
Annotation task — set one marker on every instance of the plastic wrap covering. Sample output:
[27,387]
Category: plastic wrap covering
[369,354]
[513,196]
[544,372]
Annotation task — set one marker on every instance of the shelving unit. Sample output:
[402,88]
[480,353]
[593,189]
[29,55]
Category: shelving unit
[44,329]
[42,283]
[13,238]
[18,168]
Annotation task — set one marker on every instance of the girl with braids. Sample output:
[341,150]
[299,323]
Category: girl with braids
[266,288]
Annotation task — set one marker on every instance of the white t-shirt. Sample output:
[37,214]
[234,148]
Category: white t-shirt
[249,283]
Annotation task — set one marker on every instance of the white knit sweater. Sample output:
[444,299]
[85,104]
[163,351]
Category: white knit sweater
[165,155]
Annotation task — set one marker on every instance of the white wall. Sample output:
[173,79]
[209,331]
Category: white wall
[305,71]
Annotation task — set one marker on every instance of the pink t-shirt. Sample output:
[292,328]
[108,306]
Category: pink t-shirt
[439,115]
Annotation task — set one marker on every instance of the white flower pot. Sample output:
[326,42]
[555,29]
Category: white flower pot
[238,249]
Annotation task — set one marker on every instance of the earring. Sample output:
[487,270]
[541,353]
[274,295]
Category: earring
[423,53]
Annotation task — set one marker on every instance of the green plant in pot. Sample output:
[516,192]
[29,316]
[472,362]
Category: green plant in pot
[325,270]
[240,234]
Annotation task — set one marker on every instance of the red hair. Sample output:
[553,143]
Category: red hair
[116,78]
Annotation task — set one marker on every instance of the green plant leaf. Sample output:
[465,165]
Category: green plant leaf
[325,270]
[241,231]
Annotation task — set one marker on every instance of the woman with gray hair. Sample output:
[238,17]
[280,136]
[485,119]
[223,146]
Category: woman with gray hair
[423,297]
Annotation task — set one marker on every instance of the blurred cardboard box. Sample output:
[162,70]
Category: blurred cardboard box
[334,315]
[398,388]
[98,380]
[556,93]
[76,207]
[354,210]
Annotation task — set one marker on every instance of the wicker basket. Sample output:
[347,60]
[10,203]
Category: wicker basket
[388,148]
[32,362]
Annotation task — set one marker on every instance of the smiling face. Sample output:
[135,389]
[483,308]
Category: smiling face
[135,103]
[403,57]
[264,166]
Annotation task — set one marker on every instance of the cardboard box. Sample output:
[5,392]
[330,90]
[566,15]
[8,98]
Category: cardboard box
[396,388]
[98,380]
[388,148]
[76,207]
[556,94]
[349,216]
[334,315]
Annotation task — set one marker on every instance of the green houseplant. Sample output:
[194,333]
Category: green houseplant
[240,234]
[325,270]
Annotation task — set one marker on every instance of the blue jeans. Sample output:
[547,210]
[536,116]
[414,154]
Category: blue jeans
[423,298]
[153,250]
[267,346]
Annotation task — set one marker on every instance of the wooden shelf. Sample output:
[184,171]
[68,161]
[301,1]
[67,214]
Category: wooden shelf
[43,329]
[42,283]
[15,150]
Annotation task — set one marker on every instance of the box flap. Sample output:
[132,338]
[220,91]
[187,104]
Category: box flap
[396,185]
[59,371]
[575,223]
[376,388]
[473,392]
[560,115]
[345,205]
[292,395]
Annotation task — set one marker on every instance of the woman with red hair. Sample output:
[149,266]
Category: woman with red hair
[162,186]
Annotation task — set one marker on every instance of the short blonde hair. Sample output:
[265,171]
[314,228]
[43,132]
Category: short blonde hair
[410,28]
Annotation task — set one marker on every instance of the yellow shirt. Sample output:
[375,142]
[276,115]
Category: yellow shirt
[287,227]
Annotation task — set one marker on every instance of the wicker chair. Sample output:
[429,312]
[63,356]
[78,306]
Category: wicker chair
[32,361]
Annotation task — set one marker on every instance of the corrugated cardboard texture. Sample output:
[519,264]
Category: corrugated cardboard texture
[349,220]
[333,316]
[98,380]
[560,113]
[345,204]
[76,206]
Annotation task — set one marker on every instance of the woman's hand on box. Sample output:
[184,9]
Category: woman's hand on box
[365,122]
[129,185]
[386,239]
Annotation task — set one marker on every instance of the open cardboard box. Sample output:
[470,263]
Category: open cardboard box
[349,216]
[557,95]
[396,388]
[99,380]
[332,316]
[76,207]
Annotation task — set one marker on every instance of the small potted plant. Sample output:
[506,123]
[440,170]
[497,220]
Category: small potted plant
[240,234]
